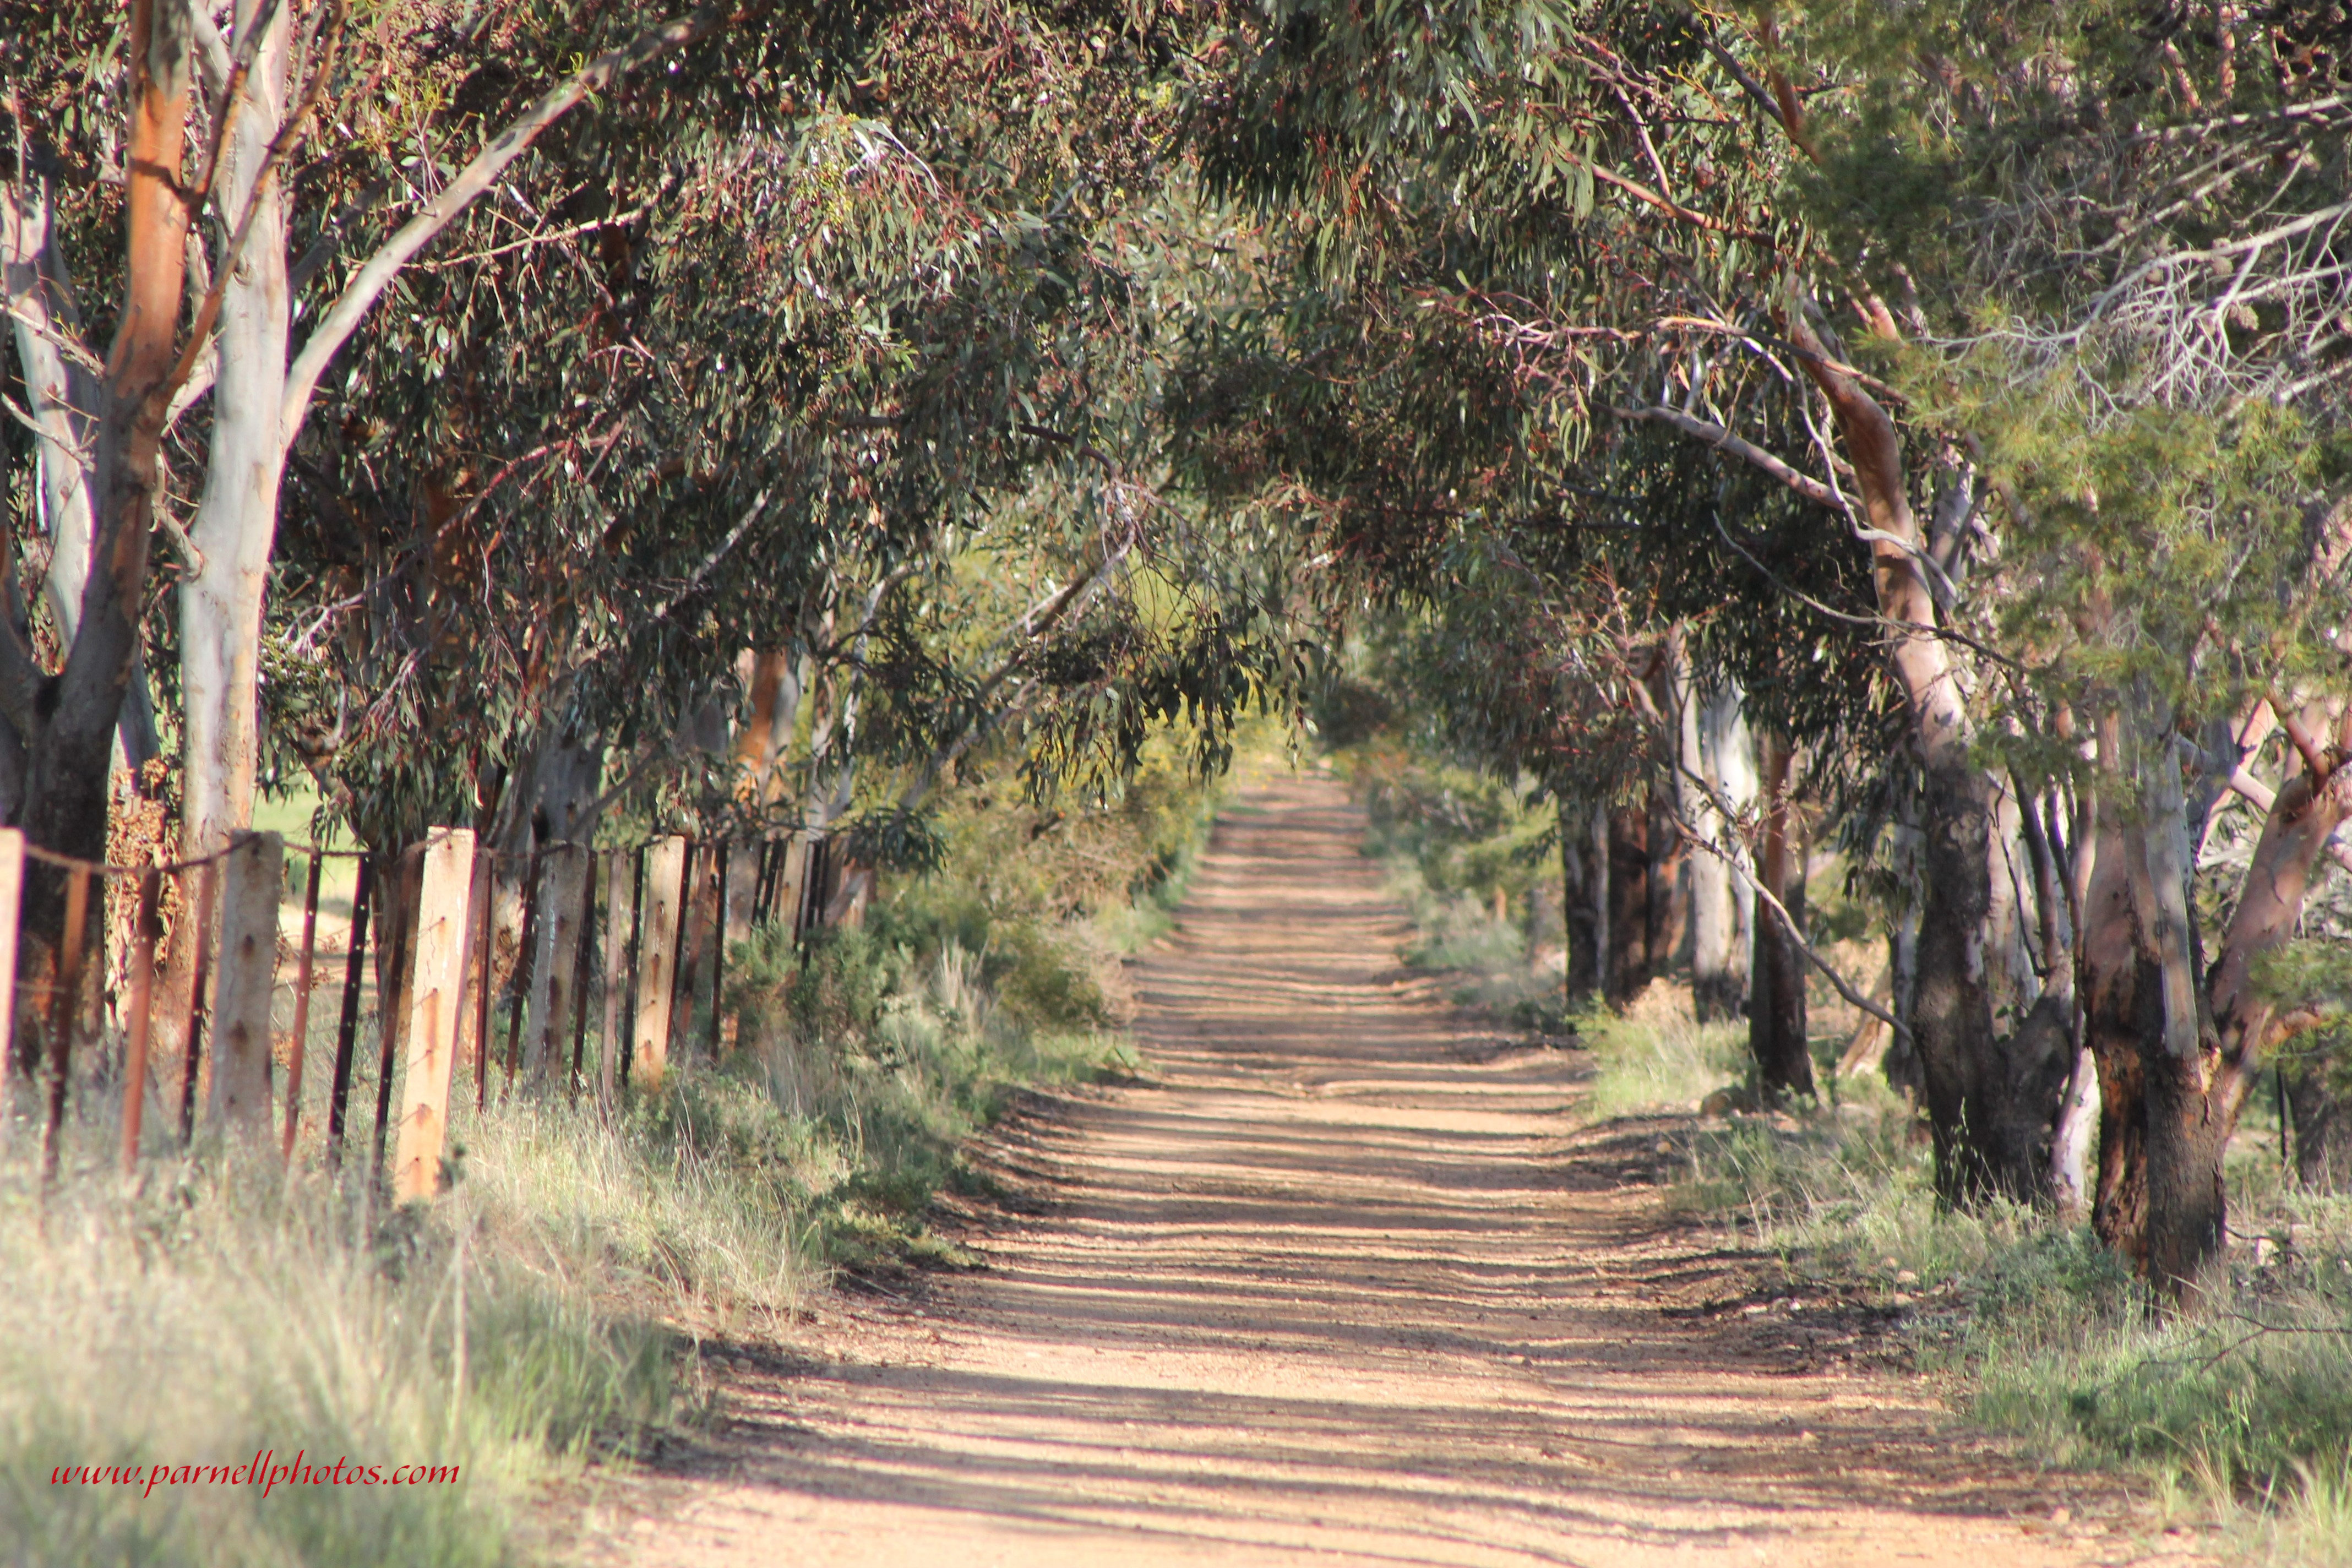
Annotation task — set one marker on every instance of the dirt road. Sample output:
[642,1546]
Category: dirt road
[1336,1283]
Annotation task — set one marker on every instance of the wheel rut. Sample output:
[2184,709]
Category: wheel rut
[1340,1282]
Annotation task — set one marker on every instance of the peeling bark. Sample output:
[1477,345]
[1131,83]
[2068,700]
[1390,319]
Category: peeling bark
[1981,1108]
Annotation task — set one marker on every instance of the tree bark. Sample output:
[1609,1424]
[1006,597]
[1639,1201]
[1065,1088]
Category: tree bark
[1584,867]
[2322,1127]
[2175,1069]
[1980,1107]
[67,722]
[1777,1038]
[236,525]
[1628,963]
[1716,747]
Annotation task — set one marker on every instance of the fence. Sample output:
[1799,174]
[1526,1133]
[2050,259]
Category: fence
[670,909]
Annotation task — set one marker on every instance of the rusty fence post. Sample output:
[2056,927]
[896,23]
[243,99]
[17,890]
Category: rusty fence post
[12,902]
[763,882]
[64,1011]
[300,1047]
[712,1036]
[435,995]
[144,936]
[252,880]
[484,963]
[582,966]
[391,1008]
[347,1026]
[200,932]
[682,961]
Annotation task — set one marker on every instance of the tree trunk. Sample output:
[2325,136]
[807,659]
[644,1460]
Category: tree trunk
[1667,929]
[1776,1035]
[1716,746]
[1584,909]
[1965,1076]
[2321,1125]
[2175,1069]
[67,722]
[236,518]
[1628,963]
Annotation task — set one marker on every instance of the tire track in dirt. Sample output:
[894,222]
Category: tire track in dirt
[1336,1283]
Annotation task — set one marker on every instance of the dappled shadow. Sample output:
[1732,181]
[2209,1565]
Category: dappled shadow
[1325,1281]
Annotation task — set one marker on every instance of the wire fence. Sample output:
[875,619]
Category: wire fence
[436,912]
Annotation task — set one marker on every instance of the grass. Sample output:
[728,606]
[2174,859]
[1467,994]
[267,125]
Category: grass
[210,1316]
[2237,1409]
[1473,861]
[546,1309]
[1655,1056]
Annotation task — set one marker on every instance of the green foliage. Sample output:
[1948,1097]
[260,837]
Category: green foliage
[2310,979]
[1476,861]
[1655,1056]
[2240,1397]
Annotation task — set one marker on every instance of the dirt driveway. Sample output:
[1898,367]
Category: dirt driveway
[1339,1285]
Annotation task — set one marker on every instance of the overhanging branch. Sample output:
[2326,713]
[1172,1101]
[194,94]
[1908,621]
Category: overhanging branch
[376,274]
[1724,441]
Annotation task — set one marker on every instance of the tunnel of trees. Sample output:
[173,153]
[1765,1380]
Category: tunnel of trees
[1914,430]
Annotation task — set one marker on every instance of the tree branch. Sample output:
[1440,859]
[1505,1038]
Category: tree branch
[1723,441]
[372,278]
[2245,785]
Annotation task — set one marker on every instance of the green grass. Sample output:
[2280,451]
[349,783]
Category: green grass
[549,1306]
[208,1318]
[1655,1056]
[2237,1408]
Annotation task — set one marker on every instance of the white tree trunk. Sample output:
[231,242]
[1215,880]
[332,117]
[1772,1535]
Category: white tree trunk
[60,394]
[237,520]
[1716,745]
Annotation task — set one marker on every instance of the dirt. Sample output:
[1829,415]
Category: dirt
[1342,1279]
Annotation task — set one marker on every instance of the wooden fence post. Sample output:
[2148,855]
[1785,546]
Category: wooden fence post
[253,877]
[12,900]
[436,997]
[657,959]
[620,921]
[555,959]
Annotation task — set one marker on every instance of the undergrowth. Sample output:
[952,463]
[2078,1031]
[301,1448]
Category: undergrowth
[547,1308]
[1655,1056]
[1476,862]
[2237,1405]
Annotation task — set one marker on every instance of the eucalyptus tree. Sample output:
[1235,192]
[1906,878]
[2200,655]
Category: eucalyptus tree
[2116,235]
[1476,292]
[823,414]
[2102,232]
[203,116]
